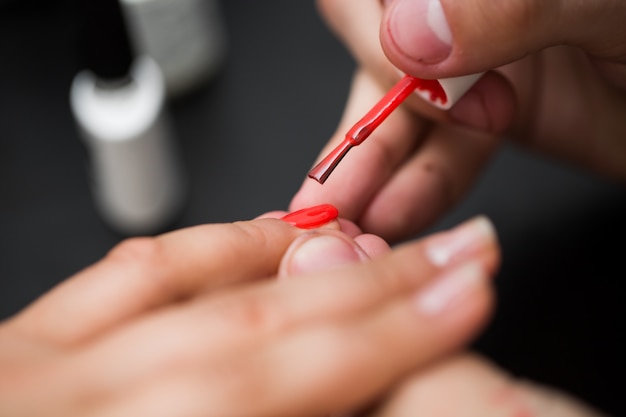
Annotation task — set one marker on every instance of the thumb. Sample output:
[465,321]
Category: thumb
[443,38]
[324,249]
[319,250]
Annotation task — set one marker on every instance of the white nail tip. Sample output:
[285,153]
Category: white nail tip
[441,250]
[438,23]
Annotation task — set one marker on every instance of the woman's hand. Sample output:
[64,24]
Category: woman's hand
[555,82]
[192,322]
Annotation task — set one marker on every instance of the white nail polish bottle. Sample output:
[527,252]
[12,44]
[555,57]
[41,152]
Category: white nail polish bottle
[119,107]
[185,37]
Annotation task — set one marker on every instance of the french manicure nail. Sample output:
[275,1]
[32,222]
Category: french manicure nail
[449,289]
[460,242]
[312,217]
[317,251]
[420,30]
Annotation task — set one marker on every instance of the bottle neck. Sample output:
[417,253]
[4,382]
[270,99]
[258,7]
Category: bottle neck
[114,83]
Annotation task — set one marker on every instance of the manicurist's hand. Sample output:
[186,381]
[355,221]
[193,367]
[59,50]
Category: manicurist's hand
[256,318]
[555,82]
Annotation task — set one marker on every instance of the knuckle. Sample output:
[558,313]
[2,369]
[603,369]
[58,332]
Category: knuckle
[145,257]
[521,15]
[385,153]
[137,251]
[444,178]
[252,232]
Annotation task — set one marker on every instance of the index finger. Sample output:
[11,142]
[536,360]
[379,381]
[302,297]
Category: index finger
[142,274]
[367,168]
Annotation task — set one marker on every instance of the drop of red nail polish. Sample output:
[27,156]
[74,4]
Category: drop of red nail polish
[434,88]
[312,217]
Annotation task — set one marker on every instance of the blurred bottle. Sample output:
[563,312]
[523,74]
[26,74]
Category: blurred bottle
[118,103]
[185,37]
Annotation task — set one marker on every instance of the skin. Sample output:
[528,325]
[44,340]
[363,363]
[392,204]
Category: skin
[196,322]
[259,319]
[554,84]
[243,319]
[479,388]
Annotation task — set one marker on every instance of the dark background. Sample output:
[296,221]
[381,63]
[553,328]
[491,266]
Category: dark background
[248,139]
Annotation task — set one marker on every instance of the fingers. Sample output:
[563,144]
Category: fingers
[479,389]
[443,38]
[339,368]
[144,273]
[367,167]
[429,183]
[357,23]
[477,386]
[569,110]
[317,251]
[373,245]
[406,174]
[319,258]
[306,346]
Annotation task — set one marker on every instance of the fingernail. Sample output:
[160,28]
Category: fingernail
[312,217]
[460,243]
[471,111]
[420,30]
[449,289]
[318,251]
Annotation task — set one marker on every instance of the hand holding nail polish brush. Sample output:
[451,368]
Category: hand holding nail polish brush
[440,93]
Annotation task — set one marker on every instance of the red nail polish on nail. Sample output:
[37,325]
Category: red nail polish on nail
[312,217]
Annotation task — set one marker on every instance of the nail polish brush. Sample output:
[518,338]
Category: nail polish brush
[441,93]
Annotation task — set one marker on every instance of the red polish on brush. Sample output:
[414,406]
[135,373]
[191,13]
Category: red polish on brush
[312,217]
[364,127]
